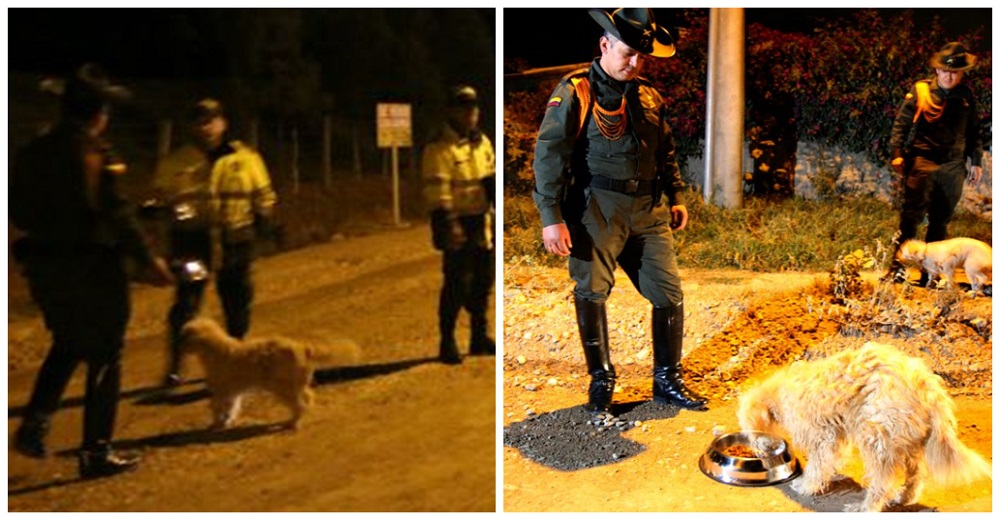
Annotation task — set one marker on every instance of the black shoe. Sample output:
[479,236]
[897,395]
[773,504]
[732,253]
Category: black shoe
[449,353]
[105,463]
[483,347]
[173,380]
[602,388]
[30,437]
[668,388]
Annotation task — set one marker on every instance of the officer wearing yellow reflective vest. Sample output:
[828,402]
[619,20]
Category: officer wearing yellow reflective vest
[603,160]
[459,173]
[219,192]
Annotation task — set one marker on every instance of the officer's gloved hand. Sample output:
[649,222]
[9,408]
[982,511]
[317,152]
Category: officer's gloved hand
[264,227]
[490,187]
[446,230]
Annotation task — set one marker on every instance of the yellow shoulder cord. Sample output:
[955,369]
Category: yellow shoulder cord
[582,88]
[925,104]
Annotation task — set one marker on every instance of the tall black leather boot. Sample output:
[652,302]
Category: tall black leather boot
[668,336]
[593,322]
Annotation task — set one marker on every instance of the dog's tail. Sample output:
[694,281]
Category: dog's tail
[947,458]
[338,352]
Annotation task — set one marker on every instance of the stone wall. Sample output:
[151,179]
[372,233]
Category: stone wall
[825,171]
[822,171]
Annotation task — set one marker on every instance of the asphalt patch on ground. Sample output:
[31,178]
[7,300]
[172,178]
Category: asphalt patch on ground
[573,438]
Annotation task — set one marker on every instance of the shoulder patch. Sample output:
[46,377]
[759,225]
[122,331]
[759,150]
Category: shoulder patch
[554,102]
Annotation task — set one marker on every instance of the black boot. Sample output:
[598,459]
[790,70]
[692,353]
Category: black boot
[448,352]
[101,461]
[668,336]
[481,344]
[30,437]
[448,308]
[593,321]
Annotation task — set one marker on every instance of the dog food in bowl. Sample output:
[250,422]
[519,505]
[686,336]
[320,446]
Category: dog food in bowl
[749,459]
[739,450]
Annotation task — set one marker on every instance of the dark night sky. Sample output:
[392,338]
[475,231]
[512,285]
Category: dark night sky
[159,43]
[535,34]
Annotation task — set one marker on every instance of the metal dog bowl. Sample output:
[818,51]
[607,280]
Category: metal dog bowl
[775,464]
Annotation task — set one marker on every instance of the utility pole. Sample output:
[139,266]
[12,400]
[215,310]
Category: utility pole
[724,108]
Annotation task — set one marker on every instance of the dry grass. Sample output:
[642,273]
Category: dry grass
[764,235]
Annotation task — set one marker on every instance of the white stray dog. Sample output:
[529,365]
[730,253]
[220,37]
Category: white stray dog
[887,404]
[943,257]
[281,366]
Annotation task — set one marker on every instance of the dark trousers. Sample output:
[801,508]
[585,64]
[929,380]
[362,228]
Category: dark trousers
[234,286]
[631,232]
[931,190]
[468,278]
[85,304]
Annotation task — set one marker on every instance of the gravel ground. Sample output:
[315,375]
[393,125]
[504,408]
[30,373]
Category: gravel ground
[738,327]
[398,432]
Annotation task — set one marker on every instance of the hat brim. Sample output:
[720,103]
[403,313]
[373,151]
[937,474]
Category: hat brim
[936,63]
[662,45]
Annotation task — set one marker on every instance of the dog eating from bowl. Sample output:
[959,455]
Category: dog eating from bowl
[888,405]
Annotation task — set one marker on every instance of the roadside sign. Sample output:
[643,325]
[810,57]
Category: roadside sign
[394,128]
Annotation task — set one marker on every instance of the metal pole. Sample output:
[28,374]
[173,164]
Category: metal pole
[395,185]
[713,35]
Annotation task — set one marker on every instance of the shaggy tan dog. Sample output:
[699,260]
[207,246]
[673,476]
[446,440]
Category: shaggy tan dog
[887,404]
[278,365]
[943,257]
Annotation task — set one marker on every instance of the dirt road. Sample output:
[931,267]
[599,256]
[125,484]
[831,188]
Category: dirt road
[738,325]
[399,432]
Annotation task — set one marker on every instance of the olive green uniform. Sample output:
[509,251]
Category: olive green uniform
[608,225]
[935,148]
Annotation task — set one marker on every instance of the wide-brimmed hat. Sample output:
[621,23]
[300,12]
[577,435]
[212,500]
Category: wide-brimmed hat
[90,81]
[638,29]
[953,57]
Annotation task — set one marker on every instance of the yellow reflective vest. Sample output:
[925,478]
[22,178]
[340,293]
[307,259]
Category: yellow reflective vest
[453,171]
[229,192]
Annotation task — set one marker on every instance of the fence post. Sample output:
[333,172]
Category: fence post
[327,138]
[357,152]
[295,159]
[166,129]
[255,134]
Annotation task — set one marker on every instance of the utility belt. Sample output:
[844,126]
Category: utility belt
[633,187]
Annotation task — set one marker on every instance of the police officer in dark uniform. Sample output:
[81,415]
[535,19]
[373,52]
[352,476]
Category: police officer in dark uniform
[459,173]
[79,231]
[604,158]
[935,131]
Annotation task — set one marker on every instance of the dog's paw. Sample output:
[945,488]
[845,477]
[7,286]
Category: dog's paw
[805,488]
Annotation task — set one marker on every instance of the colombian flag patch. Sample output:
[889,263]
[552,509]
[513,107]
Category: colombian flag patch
[554,102]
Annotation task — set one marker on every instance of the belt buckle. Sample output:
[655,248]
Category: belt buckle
[631,186]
